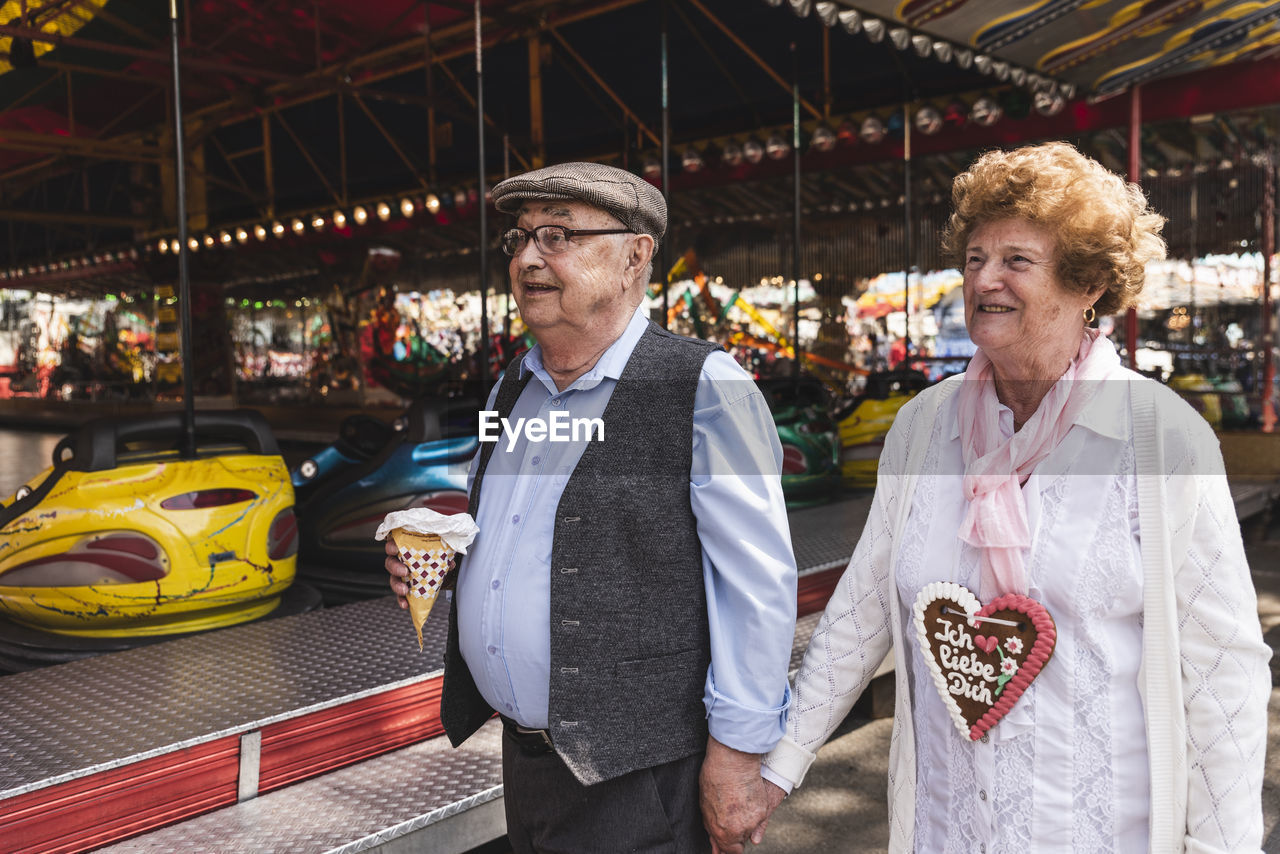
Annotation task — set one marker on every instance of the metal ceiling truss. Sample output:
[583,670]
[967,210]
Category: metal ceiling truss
[860,187]
[528,19]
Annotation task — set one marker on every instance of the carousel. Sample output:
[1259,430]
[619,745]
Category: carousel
[252,267]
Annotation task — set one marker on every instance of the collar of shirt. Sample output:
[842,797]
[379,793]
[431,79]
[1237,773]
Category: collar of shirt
[1107,414]
[608,366]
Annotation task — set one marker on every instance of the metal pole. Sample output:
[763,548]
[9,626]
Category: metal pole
[1195,228]
[908,247]
[484,210]
[428,62]
[1268,249]
[666,177]
[1135,177]
[184,275]
[795,214]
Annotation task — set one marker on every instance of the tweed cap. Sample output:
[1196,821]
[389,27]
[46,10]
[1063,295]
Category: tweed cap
[634,201]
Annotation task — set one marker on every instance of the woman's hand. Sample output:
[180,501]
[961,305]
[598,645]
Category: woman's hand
[774,795]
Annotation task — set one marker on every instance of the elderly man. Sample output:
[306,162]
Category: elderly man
[629,604]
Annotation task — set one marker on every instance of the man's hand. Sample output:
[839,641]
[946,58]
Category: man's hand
[399,580]
[736,803]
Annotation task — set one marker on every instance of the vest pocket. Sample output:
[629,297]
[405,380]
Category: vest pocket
[660,700]
[658,665]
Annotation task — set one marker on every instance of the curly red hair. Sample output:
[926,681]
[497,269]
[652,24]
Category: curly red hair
[1104,229]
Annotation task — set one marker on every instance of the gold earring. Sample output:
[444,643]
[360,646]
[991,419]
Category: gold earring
[1089,315]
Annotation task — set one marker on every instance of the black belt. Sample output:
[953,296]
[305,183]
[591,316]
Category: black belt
[532,742]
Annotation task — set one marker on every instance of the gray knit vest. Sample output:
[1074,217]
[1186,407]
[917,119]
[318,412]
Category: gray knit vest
[630,645]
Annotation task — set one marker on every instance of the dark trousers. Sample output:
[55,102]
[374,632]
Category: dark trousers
[651,811]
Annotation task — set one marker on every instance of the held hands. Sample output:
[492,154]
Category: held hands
[774,795]
[736,800]
[399,580]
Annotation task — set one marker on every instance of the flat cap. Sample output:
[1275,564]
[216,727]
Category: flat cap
[634,201]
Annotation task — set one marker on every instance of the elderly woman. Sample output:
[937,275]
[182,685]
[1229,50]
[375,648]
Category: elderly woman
[1115,700]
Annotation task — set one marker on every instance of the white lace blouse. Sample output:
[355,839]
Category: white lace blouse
[1067,769]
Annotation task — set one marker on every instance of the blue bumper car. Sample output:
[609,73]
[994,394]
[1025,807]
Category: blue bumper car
[344,490]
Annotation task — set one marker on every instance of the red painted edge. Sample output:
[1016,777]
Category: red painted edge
[99,809]
[111,805]
[322,741]
[813,591]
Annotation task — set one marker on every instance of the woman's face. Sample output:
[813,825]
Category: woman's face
[1015,308]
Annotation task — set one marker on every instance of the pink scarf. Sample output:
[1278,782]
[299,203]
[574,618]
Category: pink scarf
[995,467]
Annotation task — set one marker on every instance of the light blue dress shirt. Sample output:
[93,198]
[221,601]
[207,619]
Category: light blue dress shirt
[504,593]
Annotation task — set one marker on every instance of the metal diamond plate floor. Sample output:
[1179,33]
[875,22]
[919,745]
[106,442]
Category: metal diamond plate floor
[353,809]
[366,805]
[823,537]
[86,716]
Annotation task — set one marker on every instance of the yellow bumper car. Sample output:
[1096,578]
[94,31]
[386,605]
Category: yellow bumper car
[125,535]
[866,420]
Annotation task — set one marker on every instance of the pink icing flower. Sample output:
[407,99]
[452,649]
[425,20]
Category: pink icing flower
[1014,645]
[1008,667]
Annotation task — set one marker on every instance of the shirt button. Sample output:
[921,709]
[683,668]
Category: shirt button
[496,585]
[982,793]
[555,401]
[493,650]
[981,848]
[986,737]
[515,520]
[536,460]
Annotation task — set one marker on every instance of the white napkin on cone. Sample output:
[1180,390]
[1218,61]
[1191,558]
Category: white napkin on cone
[457,531]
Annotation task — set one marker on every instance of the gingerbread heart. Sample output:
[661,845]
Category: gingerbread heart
[981,666]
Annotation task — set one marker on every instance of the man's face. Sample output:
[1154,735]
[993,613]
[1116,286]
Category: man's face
[580,289]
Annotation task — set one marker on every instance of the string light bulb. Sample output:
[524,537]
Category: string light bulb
[731,154]
[339,219]
[360,215]
[406,207]
[298,226]
[823,139]
[384,211]
[260,231]
[433,203]
[242,235]
[277,228]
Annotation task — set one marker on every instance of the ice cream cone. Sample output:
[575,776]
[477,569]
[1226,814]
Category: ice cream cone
[429,560]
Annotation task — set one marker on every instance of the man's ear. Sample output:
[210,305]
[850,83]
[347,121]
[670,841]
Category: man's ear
[641,253]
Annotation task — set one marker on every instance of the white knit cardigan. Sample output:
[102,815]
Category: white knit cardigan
[1205,680]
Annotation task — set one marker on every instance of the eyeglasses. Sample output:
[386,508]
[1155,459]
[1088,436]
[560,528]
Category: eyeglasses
[551,239]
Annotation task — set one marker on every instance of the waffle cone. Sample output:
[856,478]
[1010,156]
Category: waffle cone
[429,560]
[419,610]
